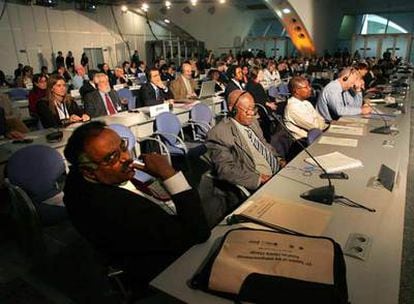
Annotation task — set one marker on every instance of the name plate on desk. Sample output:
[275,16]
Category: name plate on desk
[118,87]
[75,94]
[155,110]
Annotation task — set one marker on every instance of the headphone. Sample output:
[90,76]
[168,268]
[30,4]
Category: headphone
[233,111]
[345,78]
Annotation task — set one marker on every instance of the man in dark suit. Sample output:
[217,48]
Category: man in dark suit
[88,85]
[102,101]
[154,91]
[136,233]
[60,60]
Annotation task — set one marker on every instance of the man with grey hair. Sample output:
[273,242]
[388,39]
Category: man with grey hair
[335,100]
[238,150]
[102,101]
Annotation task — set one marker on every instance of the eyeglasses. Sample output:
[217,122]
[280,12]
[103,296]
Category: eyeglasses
[247,111]
[113,157]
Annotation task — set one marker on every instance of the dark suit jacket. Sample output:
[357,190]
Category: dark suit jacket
[231,160]
[258,92]
[148,95]
[134,231]
[95,106]
[231,86]
[51,120]
[86,88]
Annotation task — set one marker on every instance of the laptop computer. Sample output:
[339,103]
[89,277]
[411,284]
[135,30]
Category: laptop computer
[207,90]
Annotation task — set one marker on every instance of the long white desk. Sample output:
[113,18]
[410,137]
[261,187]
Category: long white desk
[375,280]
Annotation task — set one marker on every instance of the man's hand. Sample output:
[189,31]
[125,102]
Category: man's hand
[15,135]
[157,165]
[271,105]
[366,109]
[264,178]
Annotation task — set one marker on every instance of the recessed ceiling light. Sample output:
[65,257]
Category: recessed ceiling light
[167,21]
[124,8]
[286,11]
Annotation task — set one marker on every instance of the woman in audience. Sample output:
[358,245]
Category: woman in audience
[133,68]
[215,76]
[38,92]
[256,89]
[245,69]
[25,80]
[58,108]
[107,71]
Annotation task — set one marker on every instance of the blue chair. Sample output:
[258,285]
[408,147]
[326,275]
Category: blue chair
[39,171]
[200,121]
[169,130]
[18,94]
[127,94]
[313,134]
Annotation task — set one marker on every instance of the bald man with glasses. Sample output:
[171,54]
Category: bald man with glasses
[238,150]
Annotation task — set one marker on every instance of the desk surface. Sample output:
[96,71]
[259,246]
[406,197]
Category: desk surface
[375,280]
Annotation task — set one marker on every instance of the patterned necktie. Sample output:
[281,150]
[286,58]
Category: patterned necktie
[109,105]
[263,150]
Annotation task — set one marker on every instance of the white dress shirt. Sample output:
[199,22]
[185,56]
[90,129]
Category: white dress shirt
[301,116]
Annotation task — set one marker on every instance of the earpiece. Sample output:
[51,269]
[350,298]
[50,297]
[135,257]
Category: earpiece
[233,111]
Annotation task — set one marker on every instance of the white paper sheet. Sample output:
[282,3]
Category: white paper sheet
[346,130]
[338,141]
[335,162]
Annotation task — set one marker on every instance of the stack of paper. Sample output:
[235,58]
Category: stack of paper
[335,162]
[347,130]
[285,215]
[338,141]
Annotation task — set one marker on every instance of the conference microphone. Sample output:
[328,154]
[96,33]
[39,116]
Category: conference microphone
[324,195]
[385,129]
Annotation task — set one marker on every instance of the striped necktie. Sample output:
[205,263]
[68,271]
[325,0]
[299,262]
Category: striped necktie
[263,150]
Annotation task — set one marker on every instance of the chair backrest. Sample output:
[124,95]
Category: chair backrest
[283,89]
[18,94]
[201,113]
[168,123]
[313,135]
[37,170]
[125,132]
[127,94]
[28,225]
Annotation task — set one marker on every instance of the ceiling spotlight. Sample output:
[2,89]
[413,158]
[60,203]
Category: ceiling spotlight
[167,21]
[168,4]
[286,11]
[145,7]
[193,2]
[222,1]
[124,8]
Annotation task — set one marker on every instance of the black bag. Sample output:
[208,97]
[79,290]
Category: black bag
[265,288]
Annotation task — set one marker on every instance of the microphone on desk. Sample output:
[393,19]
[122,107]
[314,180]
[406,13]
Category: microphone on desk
[385,129]
[324,195]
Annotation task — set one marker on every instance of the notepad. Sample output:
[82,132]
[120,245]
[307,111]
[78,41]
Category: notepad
[335,162]
[346,130]
[338,141]
[285,215]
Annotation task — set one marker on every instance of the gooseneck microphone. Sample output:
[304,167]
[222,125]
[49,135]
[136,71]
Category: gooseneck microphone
[385,129]
[324,195]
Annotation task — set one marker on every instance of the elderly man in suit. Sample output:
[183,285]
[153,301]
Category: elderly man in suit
[238,150]
[184,86]
[103,101]
[154,91]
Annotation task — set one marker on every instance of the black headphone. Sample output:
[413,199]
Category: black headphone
[345,78]
[233,111]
